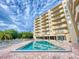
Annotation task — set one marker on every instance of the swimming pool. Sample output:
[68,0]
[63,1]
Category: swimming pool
[40,46]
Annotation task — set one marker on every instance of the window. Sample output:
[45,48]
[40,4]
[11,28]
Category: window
[78,26]
[61,38]
[67,11]
[77,8]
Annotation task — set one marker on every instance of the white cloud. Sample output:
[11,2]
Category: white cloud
[2,23]
[4,6]
[12,26]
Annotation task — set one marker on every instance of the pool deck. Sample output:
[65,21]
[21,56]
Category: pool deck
[9,54]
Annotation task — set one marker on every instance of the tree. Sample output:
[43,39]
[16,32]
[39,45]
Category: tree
[24,35]
[13,33]
[5,36]
[1,35]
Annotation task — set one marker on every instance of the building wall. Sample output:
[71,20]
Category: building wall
[74,10]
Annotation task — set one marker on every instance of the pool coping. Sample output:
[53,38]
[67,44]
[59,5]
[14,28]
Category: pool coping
[13,47]
[37,50]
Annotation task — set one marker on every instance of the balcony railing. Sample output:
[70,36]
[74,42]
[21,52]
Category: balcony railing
[64,26]
[58,18]
[57,9]
[59,23]
[57,14]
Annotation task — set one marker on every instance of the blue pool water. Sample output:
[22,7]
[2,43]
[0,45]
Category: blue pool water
[40,46]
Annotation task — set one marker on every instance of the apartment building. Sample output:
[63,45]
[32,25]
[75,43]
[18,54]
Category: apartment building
[52,25]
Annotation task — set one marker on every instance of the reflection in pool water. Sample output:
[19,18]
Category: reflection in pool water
[40,46]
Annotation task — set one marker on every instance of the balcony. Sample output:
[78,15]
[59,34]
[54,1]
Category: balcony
[43,20]
[37,23]
[43,24]
[57,14]
[43,30]
[57,9]
[59,23]
[36,26]
[58,18]
[44,16]
[62,20]
[37,29]
[64,26]
[61,31]
[43,27]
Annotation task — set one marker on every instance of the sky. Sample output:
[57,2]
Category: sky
[20,14]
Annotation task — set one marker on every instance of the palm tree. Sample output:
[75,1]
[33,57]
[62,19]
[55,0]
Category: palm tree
[13,33]
[1,35]
[6,36]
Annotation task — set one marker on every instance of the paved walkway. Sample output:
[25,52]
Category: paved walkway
[39,55]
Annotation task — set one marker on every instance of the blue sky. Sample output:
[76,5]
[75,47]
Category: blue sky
[20,14]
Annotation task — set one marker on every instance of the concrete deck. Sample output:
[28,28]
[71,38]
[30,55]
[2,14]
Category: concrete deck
[7,54]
